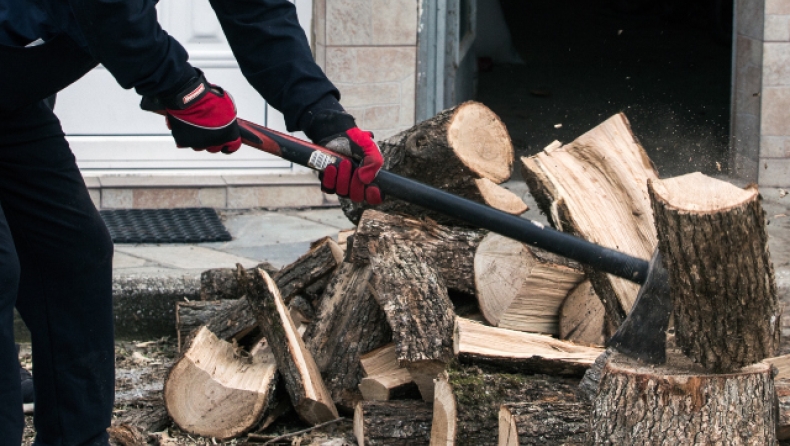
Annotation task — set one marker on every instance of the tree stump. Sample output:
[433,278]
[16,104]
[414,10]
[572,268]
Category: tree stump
[716,252]
[679,404]
[452,151]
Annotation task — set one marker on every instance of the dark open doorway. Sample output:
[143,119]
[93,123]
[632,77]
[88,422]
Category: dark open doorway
[665,63]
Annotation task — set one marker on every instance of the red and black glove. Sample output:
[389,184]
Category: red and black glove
[202,116]
[345,138]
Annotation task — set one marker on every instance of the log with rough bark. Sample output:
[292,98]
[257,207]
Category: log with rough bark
[392,423]
[234,392]
[782,387]
[466,403]
[582,317]
[227,319]
[221,283]
[450,249]
[544,423]
[384,378]
[348,323]
[521,287]
[596,187]
[522,352]
[715,249]
[306,389]
[324,256]
[451,151]
[679,404]
[414,298]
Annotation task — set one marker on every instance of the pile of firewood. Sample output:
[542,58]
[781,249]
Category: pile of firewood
[380,325]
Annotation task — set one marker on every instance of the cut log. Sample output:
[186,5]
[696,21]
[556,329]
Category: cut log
[306,389]
[544,423]
[582,317]
[782,387]
[679,404]
[221,283]
[393,423]
[227,319]
[348,324]
[449,249]
[521,287]
[466,403]
[449,151]
[596,187]
[715,249]
[384,378]
[522,352]
[324,256]
[235,392]
[148,414]
[782,366]
[414,299]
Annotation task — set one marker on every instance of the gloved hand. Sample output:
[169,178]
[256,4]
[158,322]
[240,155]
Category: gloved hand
[337,131]
[202,116]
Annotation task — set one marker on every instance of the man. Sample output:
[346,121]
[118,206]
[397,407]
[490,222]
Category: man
[55,252]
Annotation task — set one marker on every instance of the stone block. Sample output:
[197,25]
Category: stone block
[747,141]
[777,28]
[380,117]
[341,64]
[775,115]
[361,95]
[164,198]
[774,172]
[750,18]
[117,198]
[213,197]
[776,64]
[395,22]
[274,197]
[408,107]
[776,6]
[349,22]
[319,22]
[95,195]
[385,64]
[748,51]
[745,168]
[775,147]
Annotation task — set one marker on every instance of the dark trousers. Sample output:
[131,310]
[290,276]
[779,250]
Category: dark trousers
[56,268]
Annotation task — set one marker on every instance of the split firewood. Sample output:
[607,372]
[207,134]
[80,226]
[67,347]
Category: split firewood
[521,287]
[715,249]
[522,352]
[596,188]
[680,403]
[147,414]
[449,249]
[384,378]
[393,423]
[414,298]
[451,151]
[544,423]
[467,402]
[324,256]
[348,323]
[234,392]
[306,389]
[582,317]
[190,316]
[782,387]
[221,283]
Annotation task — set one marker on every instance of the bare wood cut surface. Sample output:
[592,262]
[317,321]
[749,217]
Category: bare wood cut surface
[348,324]
[384,378]
[582,317]
[235,392]
[715,249]
[596,187]
[521,287]
[544,423]
[522,352]
[679,404]
[450,151]
[392,423]
[449,249]
[306,389]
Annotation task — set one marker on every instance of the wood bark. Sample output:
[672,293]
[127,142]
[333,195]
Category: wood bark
[147,414]
[715,249]
[678,404]
[414,298]
[393,423]
[221,283]
[522,352]
[782,387]
[545,423]
[234,392]
[582,317]
[596,188]
[450,151]
[466,403]
[348,323]
[384,378]
[449,249]
[521,287]
[227,319]
[311,400]
[324,256]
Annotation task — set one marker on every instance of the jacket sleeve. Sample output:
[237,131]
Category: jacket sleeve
[274,55]
[125,36]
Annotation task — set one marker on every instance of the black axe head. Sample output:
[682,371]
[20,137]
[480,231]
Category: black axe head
[643,334]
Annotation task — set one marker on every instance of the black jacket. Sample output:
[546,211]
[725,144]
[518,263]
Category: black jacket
[125,37]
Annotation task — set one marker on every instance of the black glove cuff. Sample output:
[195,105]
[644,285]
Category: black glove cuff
[324,119]
[188,94]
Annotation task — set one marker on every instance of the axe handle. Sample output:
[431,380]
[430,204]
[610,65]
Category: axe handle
[526,231]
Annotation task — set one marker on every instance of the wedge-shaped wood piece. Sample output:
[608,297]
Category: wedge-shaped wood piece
[544,423]
[392,423]
[380,360]
[306,389]
[521,287]
[715,249]
[596,187]
[234,392]
[384,378]
[582,317]
[522,352]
